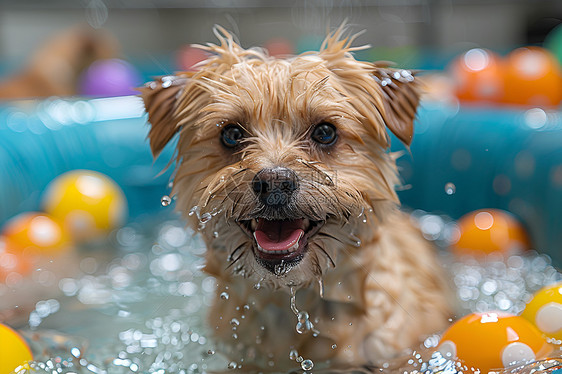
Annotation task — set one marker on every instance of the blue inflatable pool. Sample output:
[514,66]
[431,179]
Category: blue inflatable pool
[462,159]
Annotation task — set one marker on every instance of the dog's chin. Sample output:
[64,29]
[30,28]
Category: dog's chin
[280,244]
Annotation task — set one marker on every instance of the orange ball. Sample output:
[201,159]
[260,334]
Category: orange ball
[188,57]
[489,230]
[13,265]
[493,340]
[35,233]
[533,77]
[478,76]
[279,47]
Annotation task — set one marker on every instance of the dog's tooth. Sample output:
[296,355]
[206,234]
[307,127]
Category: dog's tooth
[306,223]
[295,246]
[253,224]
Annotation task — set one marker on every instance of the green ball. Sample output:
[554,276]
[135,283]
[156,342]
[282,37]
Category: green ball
[553,42]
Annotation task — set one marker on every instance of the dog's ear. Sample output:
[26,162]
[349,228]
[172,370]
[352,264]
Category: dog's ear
[393,94]
[401,96]
[160,100]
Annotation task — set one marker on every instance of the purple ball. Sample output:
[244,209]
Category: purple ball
[108,78]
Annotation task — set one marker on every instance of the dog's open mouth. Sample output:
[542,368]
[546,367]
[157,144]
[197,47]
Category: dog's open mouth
[280,240]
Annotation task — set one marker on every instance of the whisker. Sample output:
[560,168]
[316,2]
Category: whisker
[235,250]
[330,236]
[235,261]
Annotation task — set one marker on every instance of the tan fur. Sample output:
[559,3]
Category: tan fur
[383,289]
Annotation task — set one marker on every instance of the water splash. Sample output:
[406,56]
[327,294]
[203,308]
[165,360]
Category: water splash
[304,324]
[294,301]
[321,287]
[257,286]
[203,218]
[282,268]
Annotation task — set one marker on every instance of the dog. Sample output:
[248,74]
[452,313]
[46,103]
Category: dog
[283,167]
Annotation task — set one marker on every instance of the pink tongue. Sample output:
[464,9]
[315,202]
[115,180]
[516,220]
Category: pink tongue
[278,235]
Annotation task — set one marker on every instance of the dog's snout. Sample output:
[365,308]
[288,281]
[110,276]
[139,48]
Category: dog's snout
[274,186]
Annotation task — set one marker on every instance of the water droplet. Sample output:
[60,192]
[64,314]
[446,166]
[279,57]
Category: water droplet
[293,354]
[235,336]
[246,307]
[166,200]
[282,268]
[294,301]
[304,325]
[215,234]
[299,359]
[224,295]
[307,365]
[232,365]
[210,352]
[303,316]
[362,211]
[334,346]
[234,322]
[321,287]
[257,286]
[450,188]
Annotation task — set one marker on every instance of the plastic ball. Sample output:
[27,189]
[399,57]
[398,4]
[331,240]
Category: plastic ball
[493,340]
[545,310]
[553,42]
[279,47]
[34,233]
[478,76]
[13,264]
[87,202]
[108,78]
[489,230]
[188,57]
[14,351]
[533,77]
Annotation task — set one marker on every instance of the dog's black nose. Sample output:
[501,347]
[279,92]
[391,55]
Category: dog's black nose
[274,186]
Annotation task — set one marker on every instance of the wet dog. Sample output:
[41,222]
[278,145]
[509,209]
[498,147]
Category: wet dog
[283,167]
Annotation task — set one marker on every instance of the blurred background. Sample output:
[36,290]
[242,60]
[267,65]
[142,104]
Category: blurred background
[423,33]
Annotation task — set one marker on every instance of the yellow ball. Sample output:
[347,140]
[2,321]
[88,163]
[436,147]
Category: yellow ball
[13,350]
[545,310]
[88,203]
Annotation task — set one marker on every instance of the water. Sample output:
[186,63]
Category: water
[450,188]
[139,304]
[166,200]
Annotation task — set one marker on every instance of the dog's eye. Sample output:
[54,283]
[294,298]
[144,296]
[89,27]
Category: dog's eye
[231,135]
[324,133]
